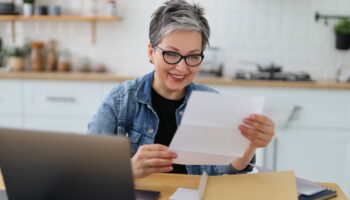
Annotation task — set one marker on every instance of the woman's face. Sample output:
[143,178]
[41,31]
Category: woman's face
[173,78]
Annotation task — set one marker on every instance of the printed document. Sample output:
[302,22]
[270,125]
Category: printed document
[208,133]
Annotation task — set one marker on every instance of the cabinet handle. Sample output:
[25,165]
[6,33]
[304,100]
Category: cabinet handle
[61,99]
[295,110]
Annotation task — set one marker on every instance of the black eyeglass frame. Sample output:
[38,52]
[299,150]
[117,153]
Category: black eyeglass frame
[180,56]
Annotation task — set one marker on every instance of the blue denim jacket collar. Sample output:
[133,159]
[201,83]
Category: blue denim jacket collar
[144,91]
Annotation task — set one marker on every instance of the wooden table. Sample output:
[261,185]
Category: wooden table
[168,183]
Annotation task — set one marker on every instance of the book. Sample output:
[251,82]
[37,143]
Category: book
[146,195]
[323,195]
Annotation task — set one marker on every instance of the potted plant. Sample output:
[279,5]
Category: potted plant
[15,58]
[28,7]
[342,31]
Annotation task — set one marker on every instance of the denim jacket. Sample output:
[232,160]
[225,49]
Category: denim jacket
[127,111]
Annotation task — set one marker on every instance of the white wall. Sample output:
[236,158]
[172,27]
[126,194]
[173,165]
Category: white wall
[283,31]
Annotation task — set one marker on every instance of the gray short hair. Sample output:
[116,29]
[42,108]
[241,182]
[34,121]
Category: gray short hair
[178,15]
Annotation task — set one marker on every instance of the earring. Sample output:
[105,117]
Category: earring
[151,61]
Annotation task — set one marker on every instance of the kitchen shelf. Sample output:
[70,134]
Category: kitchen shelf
[92,19]
[112,77]
[58,18]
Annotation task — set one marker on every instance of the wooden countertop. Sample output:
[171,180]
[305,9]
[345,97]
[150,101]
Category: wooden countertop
[76,76]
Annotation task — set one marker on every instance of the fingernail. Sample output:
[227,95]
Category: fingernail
[252,116]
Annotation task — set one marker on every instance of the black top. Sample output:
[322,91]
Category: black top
[165,109]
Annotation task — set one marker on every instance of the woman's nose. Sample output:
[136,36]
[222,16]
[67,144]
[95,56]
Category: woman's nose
[182,66]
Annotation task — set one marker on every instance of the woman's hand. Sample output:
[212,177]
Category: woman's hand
[152,158]
[260,130]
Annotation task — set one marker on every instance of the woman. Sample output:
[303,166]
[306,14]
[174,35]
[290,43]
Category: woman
[149,109]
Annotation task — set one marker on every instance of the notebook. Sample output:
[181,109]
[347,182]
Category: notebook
[323,195]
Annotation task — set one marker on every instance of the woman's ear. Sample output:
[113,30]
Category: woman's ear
[150,53]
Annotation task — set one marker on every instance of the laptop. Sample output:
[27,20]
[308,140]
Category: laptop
[46,165]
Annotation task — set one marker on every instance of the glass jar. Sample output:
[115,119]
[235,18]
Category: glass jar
[64,64]
[37,56]
[51,62]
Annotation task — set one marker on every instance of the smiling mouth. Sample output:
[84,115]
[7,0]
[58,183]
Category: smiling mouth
[177,78]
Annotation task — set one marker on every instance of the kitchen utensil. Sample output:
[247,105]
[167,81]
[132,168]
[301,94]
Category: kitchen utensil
[7,8]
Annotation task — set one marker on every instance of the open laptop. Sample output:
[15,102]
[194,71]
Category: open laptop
[44,165]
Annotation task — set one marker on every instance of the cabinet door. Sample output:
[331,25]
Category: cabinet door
[11,121]
[57,124]
[321,155]
[61,98]
[11,97]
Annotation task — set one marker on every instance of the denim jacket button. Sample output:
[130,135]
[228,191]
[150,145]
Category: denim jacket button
[181,113]
[150,130]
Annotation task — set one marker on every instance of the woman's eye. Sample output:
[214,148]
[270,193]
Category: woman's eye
[172,54]
[194,57]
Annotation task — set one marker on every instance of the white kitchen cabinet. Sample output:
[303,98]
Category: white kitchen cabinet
[64,106]
[11,97]
[321,154]
[57,124]
[11,121]
[318,107]
[314,139]
[11,103]
[61,98]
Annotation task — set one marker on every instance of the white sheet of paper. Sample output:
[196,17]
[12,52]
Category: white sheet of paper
[307,187]
[304,186]
[208,133]
[192,194]
[185,194]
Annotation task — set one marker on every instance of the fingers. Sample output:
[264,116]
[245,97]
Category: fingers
[258,126]
[256,138]
[153,158]
[252,134]
[155,162]
[158,154]
[261,119]
[261,123]
[148,171]
[260,131]
[153,147]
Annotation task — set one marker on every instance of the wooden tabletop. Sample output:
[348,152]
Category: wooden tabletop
[76,76]
[168,183]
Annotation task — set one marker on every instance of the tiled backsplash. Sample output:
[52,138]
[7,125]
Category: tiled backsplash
[279,31]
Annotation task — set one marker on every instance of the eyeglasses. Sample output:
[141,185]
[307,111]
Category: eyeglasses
[173,58]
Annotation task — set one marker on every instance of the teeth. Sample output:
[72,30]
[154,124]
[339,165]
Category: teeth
[176,76]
